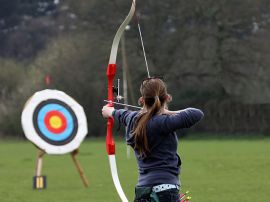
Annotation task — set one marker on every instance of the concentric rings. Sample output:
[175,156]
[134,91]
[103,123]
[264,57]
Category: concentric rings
[55,122]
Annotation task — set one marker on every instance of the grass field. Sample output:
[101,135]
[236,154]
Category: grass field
[213,171]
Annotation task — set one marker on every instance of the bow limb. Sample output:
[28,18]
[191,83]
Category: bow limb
[119,33]
[111,71]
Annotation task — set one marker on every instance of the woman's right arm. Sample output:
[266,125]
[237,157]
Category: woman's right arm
[169,112]
[182,118]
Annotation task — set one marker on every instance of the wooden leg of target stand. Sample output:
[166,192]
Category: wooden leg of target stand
[79,168]
[39,181]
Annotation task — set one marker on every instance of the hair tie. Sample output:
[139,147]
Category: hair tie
[156,97]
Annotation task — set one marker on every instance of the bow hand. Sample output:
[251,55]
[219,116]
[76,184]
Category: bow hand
[107,111]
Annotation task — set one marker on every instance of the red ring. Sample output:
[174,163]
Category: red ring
[48,125]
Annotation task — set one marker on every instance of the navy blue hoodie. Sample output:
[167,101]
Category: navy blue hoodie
[162,165]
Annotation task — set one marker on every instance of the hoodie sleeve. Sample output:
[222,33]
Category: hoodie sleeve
[123,116]
[183,119]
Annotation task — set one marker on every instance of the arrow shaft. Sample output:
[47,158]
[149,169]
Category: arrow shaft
[121,104]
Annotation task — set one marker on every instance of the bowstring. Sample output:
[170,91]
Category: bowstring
[142,43]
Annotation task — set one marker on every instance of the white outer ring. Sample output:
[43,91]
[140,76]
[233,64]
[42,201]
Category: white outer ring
[29,129]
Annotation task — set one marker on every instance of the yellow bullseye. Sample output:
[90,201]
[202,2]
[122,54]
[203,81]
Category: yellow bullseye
[55,122]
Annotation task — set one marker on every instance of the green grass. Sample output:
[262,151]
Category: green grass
[217,171]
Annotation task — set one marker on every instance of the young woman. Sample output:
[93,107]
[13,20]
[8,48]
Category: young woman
[151,133]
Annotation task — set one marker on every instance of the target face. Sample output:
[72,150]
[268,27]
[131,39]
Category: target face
[54,122]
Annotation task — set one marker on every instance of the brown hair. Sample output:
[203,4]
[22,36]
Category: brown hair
[154,97]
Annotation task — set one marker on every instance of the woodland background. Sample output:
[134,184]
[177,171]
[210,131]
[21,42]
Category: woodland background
[213,54]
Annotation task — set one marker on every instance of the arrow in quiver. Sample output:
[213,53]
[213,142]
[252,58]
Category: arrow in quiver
[185,197]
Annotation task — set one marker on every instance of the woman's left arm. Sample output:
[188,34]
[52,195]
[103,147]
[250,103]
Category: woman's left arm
[107,111]
[121,115]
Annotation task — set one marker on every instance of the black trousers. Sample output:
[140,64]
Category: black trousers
[170,195]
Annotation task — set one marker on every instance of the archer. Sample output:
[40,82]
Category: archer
[151,133]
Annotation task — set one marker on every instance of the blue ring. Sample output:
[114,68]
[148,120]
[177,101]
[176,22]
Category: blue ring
[42,127]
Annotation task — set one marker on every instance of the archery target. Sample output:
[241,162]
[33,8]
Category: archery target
[54,122]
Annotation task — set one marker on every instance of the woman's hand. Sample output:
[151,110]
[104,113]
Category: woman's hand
[168,112]
[107,111]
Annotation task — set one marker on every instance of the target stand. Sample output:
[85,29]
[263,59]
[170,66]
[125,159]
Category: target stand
[39,181]
[57,125]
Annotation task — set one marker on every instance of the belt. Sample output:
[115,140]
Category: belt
[163,187]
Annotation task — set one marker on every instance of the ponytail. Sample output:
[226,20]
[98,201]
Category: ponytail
[140,131]
[154,97]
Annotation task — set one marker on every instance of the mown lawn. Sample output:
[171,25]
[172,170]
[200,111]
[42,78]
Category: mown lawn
[213,170]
